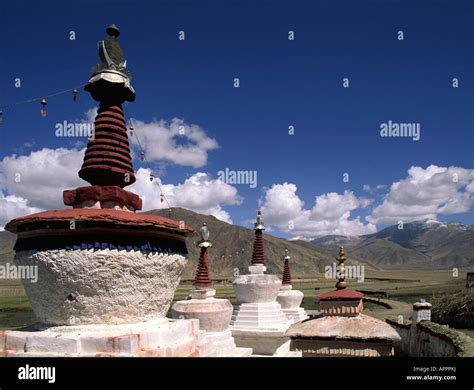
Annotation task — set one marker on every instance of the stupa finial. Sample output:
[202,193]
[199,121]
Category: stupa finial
[286,269]
[204,232]
[113,30]
[258,257]
[341,284]
[107,161]
[202,278]
[259,222]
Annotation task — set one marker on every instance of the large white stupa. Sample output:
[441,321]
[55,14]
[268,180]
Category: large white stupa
[258,321]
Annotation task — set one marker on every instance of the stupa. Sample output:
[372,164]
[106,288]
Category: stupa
[342,330]
[258,321]
[106,275]
[213,314]
[289,299]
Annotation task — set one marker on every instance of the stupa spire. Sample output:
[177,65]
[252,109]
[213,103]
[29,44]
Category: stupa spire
[341,258]
[202,278]
[258,256]
[286,269]
[107,161]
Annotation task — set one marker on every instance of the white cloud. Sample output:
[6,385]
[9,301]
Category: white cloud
[368,188]
[334,206]
[175,141]
[35,182]
[425,194]
[330,214]
[199,193]
[90,115]
[12,206]
[281,204]
[39,178]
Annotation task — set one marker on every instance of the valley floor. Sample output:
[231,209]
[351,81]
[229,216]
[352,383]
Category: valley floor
[398,288]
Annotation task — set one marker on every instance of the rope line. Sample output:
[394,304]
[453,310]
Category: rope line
[42,97]
[135,132]
[147,163]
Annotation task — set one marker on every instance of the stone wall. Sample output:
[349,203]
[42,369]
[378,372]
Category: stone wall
[341,348]
[428,338]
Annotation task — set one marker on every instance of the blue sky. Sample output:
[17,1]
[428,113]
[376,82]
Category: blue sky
[282,83]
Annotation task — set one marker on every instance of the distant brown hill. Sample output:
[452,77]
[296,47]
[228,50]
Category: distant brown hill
[7,241]
[232,249]
[424,244]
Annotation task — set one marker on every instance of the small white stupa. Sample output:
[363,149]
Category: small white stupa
[289,299]
[213,314]
[258,321]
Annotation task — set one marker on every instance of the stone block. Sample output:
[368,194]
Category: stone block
[15,341]
[52,343]
[110,344]
[183,348]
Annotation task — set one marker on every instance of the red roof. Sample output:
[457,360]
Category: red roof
[341,294]
[100,215]
[102,194]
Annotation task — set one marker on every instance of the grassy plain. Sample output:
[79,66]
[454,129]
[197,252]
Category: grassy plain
[406,287]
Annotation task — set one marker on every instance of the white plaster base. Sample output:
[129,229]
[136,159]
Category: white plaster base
[290,301]
[264,315]
[163,337]
[213,313]
[256,287]
[297,314]
[224,345]
[101,286]
[260,326]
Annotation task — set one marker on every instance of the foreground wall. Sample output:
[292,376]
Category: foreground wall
[428,338]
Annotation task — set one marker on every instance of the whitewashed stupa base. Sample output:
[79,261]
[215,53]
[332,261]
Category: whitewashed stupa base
[224,345]
[295,315]
[156,338]
[262,327]
[214,315]
[290,301]
[101,286]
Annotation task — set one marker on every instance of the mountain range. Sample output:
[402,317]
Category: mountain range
[421,244]
[425,244]
[232,249]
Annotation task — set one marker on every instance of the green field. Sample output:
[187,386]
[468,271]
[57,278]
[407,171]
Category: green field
[15,312]
[404,286]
